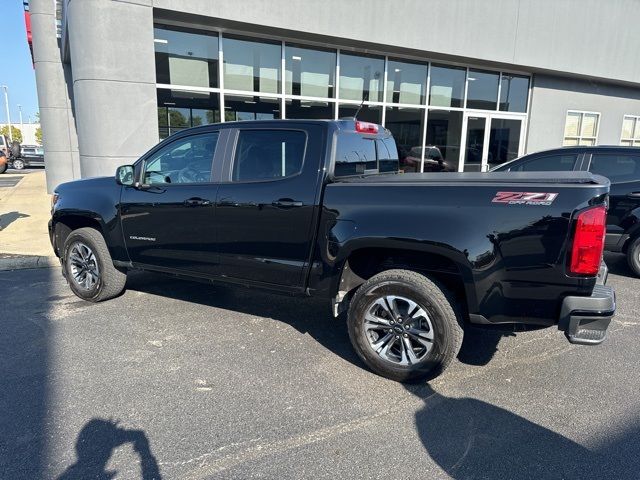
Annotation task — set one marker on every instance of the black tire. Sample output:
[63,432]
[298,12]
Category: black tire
[435,301]
[18,164]
[110,281]
[633,256]
[15,149]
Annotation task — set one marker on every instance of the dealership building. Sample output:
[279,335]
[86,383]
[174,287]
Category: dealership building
[469,83]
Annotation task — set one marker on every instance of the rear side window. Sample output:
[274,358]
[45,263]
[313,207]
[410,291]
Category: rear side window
[551,163]
[268,154]
[356,155]
[617,168]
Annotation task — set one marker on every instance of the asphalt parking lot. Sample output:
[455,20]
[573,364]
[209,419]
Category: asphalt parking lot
[187,380]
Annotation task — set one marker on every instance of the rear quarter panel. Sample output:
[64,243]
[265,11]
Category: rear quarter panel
[510,257]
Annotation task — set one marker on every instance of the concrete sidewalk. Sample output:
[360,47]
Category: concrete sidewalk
[24,213]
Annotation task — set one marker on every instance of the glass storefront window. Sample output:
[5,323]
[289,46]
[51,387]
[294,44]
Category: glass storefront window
[482,91]
[361,77]
[309,109]
[406,82]
[447,86]
[238,107]
[504,140]
[444,135]
[186,58]
[368,113]
[310,73]
[251,65]
[178,109]
[406,125]
[514,93]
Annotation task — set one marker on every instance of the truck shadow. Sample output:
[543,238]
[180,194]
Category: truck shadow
[307,315]
[469,438]
[617,263]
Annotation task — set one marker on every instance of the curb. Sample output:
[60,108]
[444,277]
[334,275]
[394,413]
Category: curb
[28,261]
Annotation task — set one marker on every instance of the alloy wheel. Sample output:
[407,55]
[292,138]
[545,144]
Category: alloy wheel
[399,330]
[83,264]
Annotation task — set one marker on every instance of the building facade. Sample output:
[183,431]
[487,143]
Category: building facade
[471,84]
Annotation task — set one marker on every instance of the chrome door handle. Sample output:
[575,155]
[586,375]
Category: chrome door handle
[197,202]
[287,203]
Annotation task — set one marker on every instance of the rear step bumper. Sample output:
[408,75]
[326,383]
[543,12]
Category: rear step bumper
[585,319]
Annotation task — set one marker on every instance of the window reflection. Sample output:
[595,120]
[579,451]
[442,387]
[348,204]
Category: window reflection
[309,109]
[504,140]
[447,86]
[406,82]
[514,92]
[482,91]
[361,77]
[368,113]
[251,65]
[238,107]
[406,125]
[186,57]
[179,109]
[309,73]
[444,134]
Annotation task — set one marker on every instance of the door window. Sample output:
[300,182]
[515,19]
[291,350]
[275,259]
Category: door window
[186,160]
[268,154]
[616,167]
[550,163]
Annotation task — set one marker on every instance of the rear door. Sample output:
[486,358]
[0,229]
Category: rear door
[267,204]
[168,220]
[622,168]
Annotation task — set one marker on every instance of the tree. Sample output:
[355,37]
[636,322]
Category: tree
[15,132]
[39,135]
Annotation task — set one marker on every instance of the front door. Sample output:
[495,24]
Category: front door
[168,219]
[265,210]
[490,140]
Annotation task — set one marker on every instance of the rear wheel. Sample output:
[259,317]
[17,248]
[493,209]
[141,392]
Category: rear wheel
[404,326]
[88,266]
[18,164]
[633,256]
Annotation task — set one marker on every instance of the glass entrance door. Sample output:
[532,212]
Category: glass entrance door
[490,140]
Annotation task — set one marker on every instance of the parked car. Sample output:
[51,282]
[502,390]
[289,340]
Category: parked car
[318,208]
[621,165]
[4,163]
[30,156]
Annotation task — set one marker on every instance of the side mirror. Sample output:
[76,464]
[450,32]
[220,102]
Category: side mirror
[124,175]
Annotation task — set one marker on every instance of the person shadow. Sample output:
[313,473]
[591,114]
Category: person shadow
[7,219]
[97,440]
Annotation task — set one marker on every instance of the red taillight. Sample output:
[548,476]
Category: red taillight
[366,127]
[588,241]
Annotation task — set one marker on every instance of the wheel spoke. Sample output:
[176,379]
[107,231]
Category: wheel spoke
[406,343]
[374,322]
[382,303]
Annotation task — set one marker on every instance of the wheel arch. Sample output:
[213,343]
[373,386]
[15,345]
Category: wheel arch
[440,264]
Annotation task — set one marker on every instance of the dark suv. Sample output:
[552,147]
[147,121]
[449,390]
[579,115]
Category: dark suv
[621,165]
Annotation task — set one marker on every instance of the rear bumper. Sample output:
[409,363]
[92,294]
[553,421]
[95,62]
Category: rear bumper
[585,319]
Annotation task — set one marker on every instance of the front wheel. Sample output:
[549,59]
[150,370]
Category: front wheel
[88,266]
[404,326]
[633,256]
[18,164]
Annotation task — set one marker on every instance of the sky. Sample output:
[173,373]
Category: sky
[17,68]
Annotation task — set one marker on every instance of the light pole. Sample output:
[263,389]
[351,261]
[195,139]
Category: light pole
[6,105]
[20,113]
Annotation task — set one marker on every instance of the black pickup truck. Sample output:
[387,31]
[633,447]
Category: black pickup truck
[319,208]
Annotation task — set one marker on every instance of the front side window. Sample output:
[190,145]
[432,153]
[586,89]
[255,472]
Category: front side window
[187,160]
[268,154]
[616,167]
[550,163]
[630,131]
[581,128]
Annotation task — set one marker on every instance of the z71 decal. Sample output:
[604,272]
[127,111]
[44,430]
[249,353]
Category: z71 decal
[525,198]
